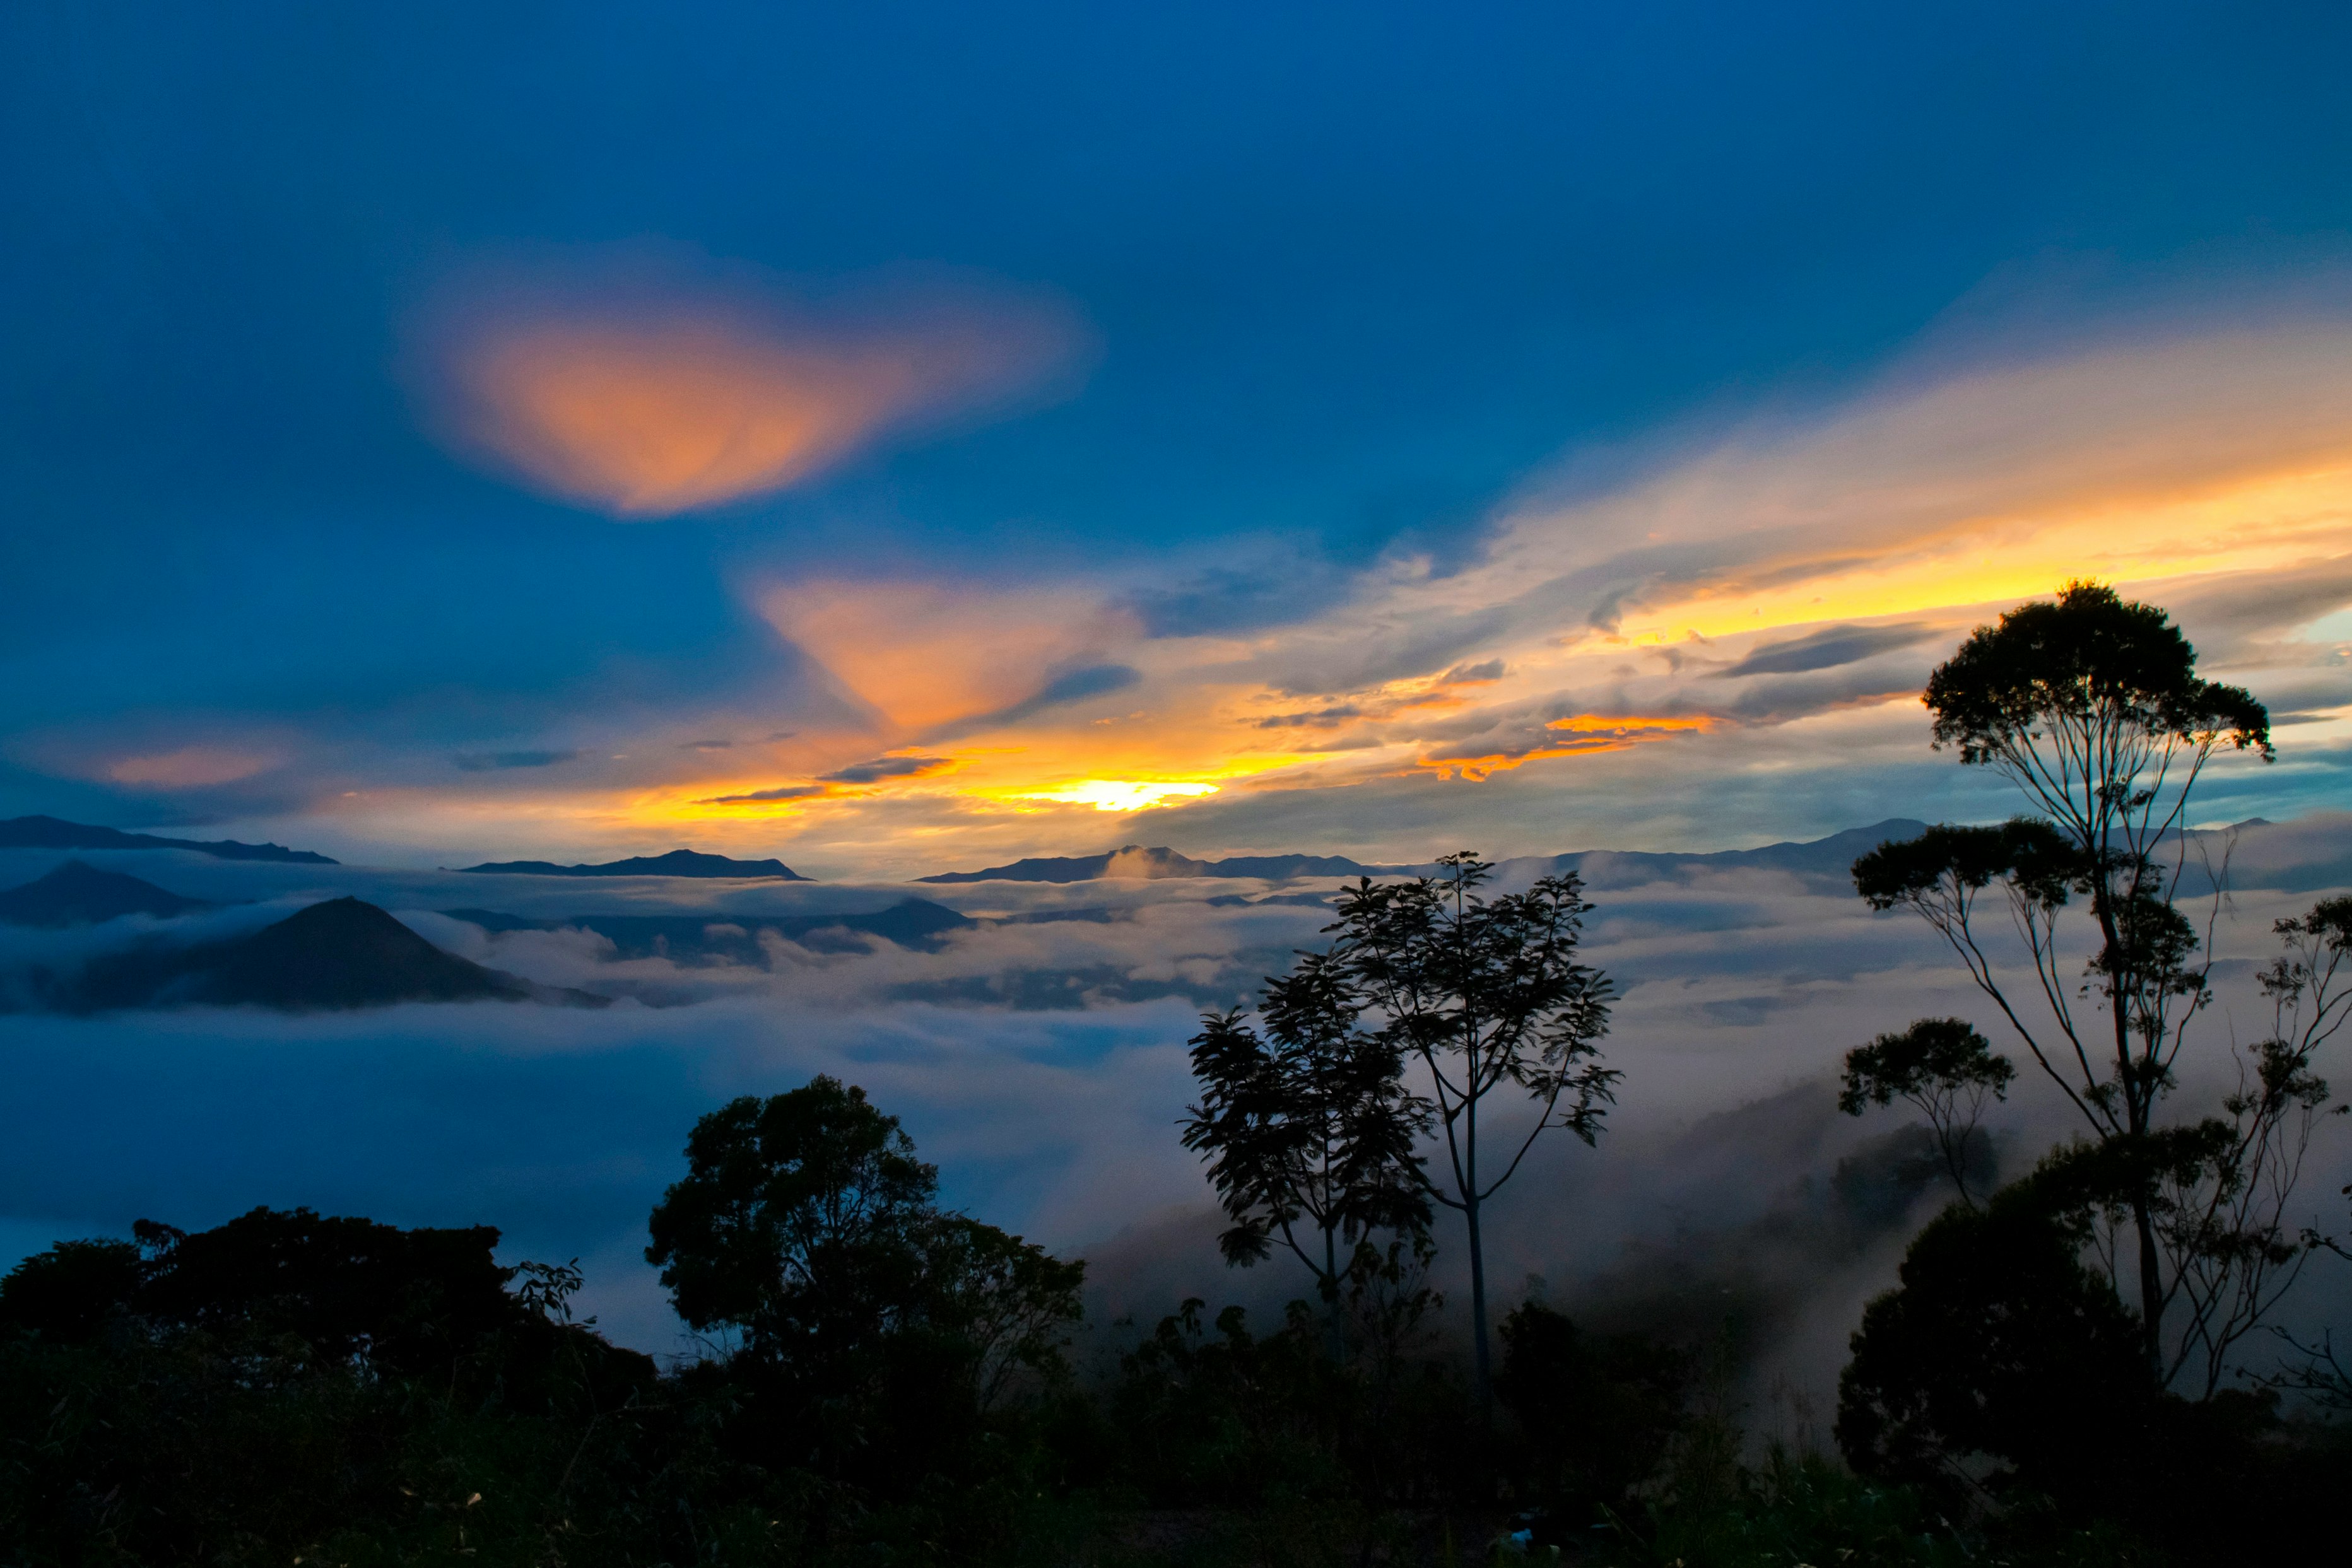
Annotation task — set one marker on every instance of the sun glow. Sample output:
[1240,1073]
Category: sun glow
[1121,794]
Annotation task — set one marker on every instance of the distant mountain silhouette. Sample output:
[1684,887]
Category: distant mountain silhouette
[1830,857]
[691,938]
[50,833]
[1142,864]
[78,894]
[677,863]
[338,954]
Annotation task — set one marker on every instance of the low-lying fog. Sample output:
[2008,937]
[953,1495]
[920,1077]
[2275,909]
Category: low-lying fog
[1038,1057]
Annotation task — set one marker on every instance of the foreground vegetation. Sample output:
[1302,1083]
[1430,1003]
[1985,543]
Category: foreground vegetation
[293,1389]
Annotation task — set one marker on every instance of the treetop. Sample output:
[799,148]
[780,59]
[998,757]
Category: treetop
[2089,654]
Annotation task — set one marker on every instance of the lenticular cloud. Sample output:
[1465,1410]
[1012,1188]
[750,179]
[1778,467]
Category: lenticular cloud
[645,386]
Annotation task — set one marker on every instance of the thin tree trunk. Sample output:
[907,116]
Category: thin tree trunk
[1478,1318]
[2137,1118]
[1331,1299]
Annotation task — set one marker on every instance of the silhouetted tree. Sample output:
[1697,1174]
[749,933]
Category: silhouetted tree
[1309,1131]
[1484,994]
[798,1221]
[69,1293]
[2092,707]
[1944,1067]
[410,1300]
[868,1317]
[1999,1345]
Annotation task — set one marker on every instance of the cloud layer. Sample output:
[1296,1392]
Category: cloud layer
[1039,1056]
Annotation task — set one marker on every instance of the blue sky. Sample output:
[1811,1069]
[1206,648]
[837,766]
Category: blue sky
[1277,325]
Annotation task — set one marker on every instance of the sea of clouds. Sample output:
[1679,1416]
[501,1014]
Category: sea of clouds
[1040,1060]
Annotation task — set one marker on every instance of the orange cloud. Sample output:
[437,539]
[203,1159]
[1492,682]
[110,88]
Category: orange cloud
[646,395]
[1585,733]
[189,768]
[856,779]
[927,653]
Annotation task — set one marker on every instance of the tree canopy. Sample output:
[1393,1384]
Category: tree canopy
[1309,1132]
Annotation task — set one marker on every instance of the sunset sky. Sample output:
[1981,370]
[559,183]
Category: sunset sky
[898,438]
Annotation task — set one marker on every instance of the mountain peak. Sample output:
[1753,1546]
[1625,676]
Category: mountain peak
[343,953]
[79,894]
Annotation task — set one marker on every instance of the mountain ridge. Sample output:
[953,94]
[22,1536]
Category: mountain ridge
[56,833]
[1813,856]
[78,894]
[677,862]
[1133,862]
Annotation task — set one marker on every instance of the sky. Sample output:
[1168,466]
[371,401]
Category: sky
[902,438]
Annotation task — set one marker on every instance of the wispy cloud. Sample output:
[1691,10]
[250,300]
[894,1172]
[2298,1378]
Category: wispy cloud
[189,766]
[780,792]
[1827,648]
[495,761]
[888,768]
[855,777]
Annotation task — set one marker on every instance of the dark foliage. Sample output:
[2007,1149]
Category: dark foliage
[1491,996]
[73,1293]
[1999,1344]
[249,1392]
[1945,858]
[1222,1418]
[2004,1372]
[1946,1068]
[1311,1123]
[291,1387]
[1596,1415]
[2090,653]
[877,1333]
[408,1302]
[2092,707]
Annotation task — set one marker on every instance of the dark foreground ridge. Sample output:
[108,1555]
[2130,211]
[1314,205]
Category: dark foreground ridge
[677,863]
[339,955]
[722,935]
[53,833]
[1137,863]
[79,894]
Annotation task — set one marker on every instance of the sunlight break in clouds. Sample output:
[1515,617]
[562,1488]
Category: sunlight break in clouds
[645,389]
[1715,602]
[1122,795]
